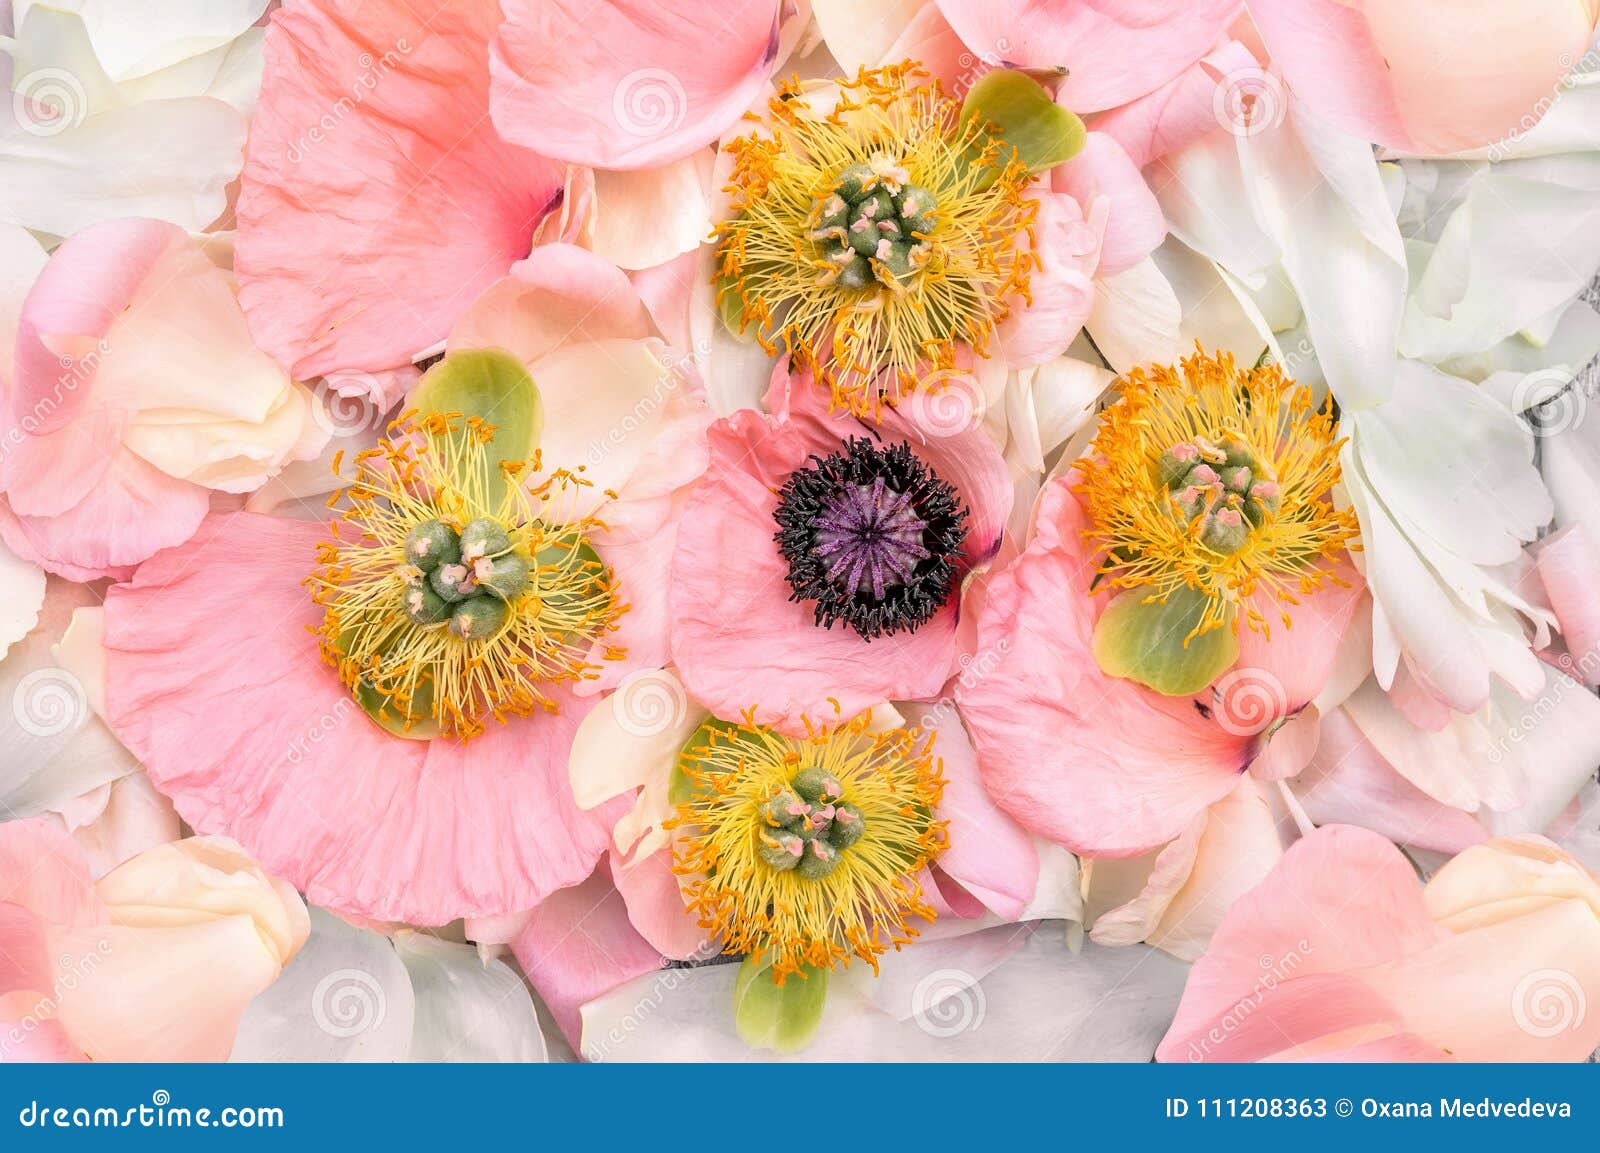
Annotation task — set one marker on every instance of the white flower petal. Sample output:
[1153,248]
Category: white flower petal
[648,216]
[467,1009]
[1135,318]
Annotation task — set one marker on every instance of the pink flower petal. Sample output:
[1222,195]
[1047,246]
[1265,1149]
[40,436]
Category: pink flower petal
[42,1039]
[1099,764]
[1181,111]
[41,870]
[1067,242]
[1569,566]
[268,748]
[1113,50]
[656,908]
[376,200]
[578,944]
[1134,224]
[1285,669]
[622,84]
[1432,76]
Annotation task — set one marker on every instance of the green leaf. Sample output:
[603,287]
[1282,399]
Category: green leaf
[773,1016]
[1041,132]
[492,384]
[1144,641]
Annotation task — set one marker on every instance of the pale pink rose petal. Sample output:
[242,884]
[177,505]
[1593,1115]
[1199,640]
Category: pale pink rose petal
[1134,223]
[1431,76]
[270,749]
[928,39]
[989,855]
[42,871]
[1569,566]
[1113,52]
[42,1038]
[1099,764]
[1284,667]
[578,944]
[1341,900]
[637,541]
[377,200]
[622,84]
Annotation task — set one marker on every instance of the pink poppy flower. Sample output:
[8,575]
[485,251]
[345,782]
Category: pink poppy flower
[269,745]
[135,393]
[377,200]
[1434,76]
[1339,955]
[155,961]
[621,84]
[1098,763]
[819,560]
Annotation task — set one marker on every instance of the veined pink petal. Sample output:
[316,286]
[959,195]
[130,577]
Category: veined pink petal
[625,83]
[377,200]
[1114,50]
[1181,111]
[1067,239]
[655,906]
[1134,224]
[268,747]
[1431,76]
[1100,764]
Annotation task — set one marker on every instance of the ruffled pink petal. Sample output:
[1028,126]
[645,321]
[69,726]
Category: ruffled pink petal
[1433,76]
[237,719]
[1341,899]
[624,84]
[637,542]
[1098,763]
[1067,243]
[1283,669]
[655,906]
[989,855]
[578,943]
[376,200]
[1113,50]
[1134,223]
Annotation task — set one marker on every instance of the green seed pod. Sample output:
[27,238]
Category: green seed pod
[1225,531]
[453,582]
[875,206]
[1173,466]
[817,786]
[780,849]
[896,258]
[507,577]
[784,809]
[483,537]
[1236,477]
[856,274]
[819,859]
[478,618]
[863,235]
[831,212]
[423,606]
[852,181]
[432,544]
[848,826]
[917,209]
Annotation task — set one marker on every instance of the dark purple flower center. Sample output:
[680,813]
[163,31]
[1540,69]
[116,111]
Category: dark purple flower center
[872,537]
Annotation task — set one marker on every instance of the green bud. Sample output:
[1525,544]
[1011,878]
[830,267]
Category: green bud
[1225,530]
[852,181]
[507,576]
[423,606]
[819,859]
[848,826]
[897,259]
[832,212]
[1236,477]
[784,809]
[431,544]
[818,786]
[483,537]
[1173,466]
[856,274]
[916,207]
[478,618]
[863,241]
[453,582]
[780,849]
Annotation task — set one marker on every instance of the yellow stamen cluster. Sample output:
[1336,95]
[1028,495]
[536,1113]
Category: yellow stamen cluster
[1208,477]
[438,469]
[873,336]
[889,781]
